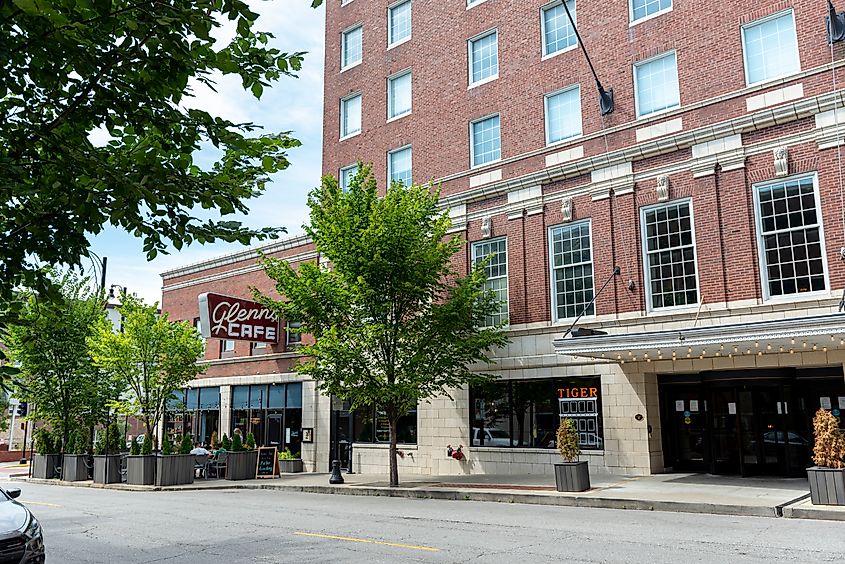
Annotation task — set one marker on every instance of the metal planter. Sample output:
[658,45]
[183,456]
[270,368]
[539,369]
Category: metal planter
[572,476]
[241,465]
[46,466]
[74,468]
[141,469]
[827,485]
[113,476]
[174,469]
[290,466]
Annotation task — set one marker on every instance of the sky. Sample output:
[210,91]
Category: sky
[292,104]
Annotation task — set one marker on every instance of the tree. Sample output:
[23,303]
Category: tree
[394,322]
[153,356]
[57,378]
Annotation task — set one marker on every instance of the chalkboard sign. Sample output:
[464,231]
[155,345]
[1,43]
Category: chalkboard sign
[268,463]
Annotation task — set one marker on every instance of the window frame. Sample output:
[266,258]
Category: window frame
[470,83]
[227,352]
[672,52]
[292,344]
[762,20]
[632,22]
[474,3]
[472,141]
[474,257]
[552,281]
[390,42]
[761,252]
[543,47]
[352,167]
[546,97]
[343,101]
[390,80]
[407,147]
[343,34]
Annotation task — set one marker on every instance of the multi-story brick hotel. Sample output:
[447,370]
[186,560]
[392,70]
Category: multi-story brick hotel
[715,185]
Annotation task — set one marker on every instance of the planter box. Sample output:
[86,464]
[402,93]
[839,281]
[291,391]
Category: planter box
[100,476]
[46,466]
[572,476]
[74,468]
[141,470]
[289,466]
[174,469]
[241,465]
[827,485]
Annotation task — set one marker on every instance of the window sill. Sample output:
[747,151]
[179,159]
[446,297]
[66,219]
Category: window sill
[534,450]
[482,165]
[658,113]
[476,3]
[775,80]
[799,297]
[349,67]
[564,141]
[651,16]
[350,136]
[483,81]
[560,52]
[672,310]
[400,116]
[398,43]
[383,446]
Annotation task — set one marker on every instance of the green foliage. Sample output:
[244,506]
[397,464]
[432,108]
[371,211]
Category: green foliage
[134,448]
[82,443]
[226,443]
[567,440]
[152,356]
[186,444]
[147,445]
[115,438]
[288,455]
[166,446]
[44,441]
[250,441]
[237,445]
[395,322]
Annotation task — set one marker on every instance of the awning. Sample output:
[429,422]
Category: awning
[805,334]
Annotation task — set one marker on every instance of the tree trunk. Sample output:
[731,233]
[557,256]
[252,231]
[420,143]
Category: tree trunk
[394,469]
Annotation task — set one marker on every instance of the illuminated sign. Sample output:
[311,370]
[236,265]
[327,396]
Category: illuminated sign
[577,392]
[227,317]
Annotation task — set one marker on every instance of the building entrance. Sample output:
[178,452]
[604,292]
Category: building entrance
[748,423]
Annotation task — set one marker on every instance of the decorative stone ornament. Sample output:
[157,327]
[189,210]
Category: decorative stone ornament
[566,209]
[781,155]
[486,226]
[662,188]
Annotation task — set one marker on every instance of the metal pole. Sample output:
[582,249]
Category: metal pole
[106,477]
[103,274]
[23,448]
[605,97]
[616,271]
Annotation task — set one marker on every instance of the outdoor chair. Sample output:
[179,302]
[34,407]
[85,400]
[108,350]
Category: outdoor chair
[201,464]
[218,464]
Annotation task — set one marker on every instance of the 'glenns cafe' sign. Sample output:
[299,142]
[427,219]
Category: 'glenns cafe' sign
[225,317]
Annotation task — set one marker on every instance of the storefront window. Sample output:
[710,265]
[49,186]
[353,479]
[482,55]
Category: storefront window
[273,414]
[373,426]
[195,411]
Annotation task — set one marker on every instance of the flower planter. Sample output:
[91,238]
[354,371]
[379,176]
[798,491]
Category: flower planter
[572,476]
[45,466]
[241,465]
[113,476]
[141,469]
[290,466]
[174,469]
[827,485]
[74,468]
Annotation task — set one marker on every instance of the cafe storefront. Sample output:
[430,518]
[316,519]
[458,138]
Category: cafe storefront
[272,413]
[193,411]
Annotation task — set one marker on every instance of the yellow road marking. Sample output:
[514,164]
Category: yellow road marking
[368,541]
[39,503]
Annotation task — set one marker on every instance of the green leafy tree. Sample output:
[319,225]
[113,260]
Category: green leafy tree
[395,323]
[44,441]
[115,438]
[186,444]
[147,446]
[250,441]
[153,356]
[166,446]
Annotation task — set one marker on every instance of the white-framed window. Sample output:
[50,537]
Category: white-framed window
[398,23]
[770,48]
[642,9]
[497,275]
[572,270]
[351,47]
[345,2]
[399,95]
[293,338]
[471,3]
[563,114]
[485,140]
[790,238]
[350,115]
[656,84]
[399,165]
[558,33]
[346,175]
[483,57]
[227,348]
[669,251]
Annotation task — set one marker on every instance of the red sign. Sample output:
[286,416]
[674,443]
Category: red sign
[226,317]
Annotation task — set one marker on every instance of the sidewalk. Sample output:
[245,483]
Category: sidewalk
[688,493]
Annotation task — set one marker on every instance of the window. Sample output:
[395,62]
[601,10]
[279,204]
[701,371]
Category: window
[371,425]
[486,145]
[193,411]
[294,338]
[572,270]
[656,84]
[770,48]
[272,413]
[497,275]
[670,255]
[399,95]
[227,348]
[346,176]
[483,58]
[399,166]
[350,116]
[351,48]
[563,115]
[558,33]
[644,8]
[790,237]
[527,413]
[399,23]
[259,347]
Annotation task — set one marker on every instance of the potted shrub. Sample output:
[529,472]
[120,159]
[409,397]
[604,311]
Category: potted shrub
[141,463]
[107,456]
[75,462]
[289,462]
[240,463]
[214,441]
[827,477]
[571,475]
[175,468]
[45,463]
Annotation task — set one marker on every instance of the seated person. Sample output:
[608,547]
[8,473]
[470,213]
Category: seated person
[199,450]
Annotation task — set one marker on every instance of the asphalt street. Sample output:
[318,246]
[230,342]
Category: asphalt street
[93,525]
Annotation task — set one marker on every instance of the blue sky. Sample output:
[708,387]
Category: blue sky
[290,105]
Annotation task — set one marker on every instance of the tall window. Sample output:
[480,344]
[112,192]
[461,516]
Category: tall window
[486,145]
[572,270]
[399,22]
[346,176]
[770,47]
[563,115]
[294,338]
[193,411]
[350,115]
[790,238]
[644,8]
[484,58]
[656,82]
[351,48]
[399,95]
[497,275]
[273,414]
[399,166]
[558,33]
[670,255]
[227,348]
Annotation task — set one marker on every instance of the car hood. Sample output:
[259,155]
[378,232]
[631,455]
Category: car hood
[13,516]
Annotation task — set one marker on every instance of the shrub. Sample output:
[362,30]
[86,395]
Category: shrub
[829,449]
[186,444]
[82,442]
[567,441]
[227,442]
[288,455]
[43,441]
[147,446]
[134,448]
[115,439]
[250,441]
[237,445]
[214,441]
[166,446]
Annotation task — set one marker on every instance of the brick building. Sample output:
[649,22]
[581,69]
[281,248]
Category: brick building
[715,185]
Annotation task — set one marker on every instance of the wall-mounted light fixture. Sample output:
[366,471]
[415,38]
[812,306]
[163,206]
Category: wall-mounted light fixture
[605,96]
[835,24]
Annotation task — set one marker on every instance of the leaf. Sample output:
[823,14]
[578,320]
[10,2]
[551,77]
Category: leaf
[257,89]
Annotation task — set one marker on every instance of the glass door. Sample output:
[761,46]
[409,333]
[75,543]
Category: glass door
[274,431]
[765,449]
[686,428]
[724,431]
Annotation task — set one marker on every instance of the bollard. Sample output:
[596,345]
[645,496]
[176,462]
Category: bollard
[336,478]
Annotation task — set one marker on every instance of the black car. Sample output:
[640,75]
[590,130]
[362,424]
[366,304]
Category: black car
[20,534]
